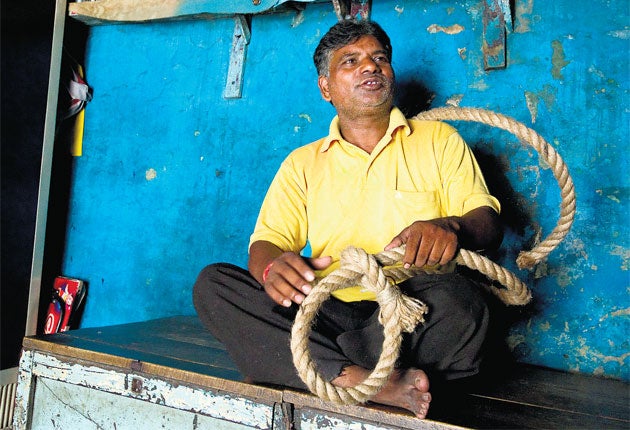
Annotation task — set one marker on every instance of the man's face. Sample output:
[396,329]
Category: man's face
[360,79]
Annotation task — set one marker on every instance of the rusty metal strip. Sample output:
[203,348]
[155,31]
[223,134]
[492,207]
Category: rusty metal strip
[494,35]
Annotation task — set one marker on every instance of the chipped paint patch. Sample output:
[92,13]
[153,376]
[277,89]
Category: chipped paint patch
[523,14]
[622,252]
[531,99]
[462,53]
[452,29]
[558,60]
[541,270]
[297,19]
[480,85]
[563,277]
[611,358]
[611,194]
[454,100]
[620,34]
[399,9]
[577,246]
[297,128]
[618,313]
[150,174]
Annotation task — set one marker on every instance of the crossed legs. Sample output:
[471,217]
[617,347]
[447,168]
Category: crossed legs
[346,338]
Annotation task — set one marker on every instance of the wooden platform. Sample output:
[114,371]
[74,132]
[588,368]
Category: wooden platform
[180,353]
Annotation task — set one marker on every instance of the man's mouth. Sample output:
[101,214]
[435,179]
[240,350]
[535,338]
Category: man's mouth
[372,83]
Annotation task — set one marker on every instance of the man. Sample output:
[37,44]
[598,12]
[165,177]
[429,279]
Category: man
[377,181]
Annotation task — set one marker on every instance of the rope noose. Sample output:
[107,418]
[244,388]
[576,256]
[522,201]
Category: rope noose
[380,273]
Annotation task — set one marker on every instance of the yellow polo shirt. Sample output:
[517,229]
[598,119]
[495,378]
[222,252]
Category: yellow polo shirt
[334,194]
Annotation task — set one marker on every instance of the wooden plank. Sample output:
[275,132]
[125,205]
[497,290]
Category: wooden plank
[119,11]
[170,343]
[177,341]
[572,392]
[209,361]
[486,412]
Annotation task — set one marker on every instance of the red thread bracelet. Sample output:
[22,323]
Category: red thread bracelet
[266,272]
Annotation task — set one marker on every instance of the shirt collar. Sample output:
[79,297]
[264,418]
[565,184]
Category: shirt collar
[396,120]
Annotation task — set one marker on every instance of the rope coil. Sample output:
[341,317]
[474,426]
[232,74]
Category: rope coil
[380,273]
[526,259]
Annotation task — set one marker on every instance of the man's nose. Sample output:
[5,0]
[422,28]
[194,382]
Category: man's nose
[369,65]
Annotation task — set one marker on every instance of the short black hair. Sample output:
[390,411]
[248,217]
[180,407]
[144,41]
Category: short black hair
[344,33]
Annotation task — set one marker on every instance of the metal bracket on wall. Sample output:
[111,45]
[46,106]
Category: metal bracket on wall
[497,21]
[349,9]
[240,40]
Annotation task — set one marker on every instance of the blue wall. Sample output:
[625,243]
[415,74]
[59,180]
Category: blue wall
[173,174]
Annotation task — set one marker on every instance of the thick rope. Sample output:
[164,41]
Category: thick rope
[526,259]
[399,313]
[381,272]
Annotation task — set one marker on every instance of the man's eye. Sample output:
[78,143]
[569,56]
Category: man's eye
[381,59]
[349,61]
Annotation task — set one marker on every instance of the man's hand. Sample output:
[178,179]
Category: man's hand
[428,242]
[437,241]
[289,277]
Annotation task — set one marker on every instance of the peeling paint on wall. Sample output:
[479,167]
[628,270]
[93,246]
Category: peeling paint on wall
[454,100]
[623,253]
[150,174]
[621,34]
[531,100]
[618,313]
[297,19]
[523,14]
[452,29]
[558,61]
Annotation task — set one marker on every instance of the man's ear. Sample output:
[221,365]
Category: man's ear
[322,83]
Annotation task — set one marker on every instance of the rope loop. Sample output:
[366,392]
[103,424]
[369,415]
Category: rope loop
[380,273]
[526,259]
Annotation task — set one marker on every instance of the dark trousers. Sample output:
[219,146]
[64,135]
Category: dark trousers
[233,306]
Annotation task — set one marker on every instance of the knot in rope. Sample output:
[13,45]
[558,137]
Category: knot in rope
[408,311]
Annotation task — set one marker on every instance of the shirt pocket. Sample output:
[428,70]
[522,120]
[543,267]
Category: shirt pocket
[410,206]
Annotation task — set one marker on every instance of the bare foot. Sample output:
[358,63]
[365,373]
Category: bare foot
[408,389]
